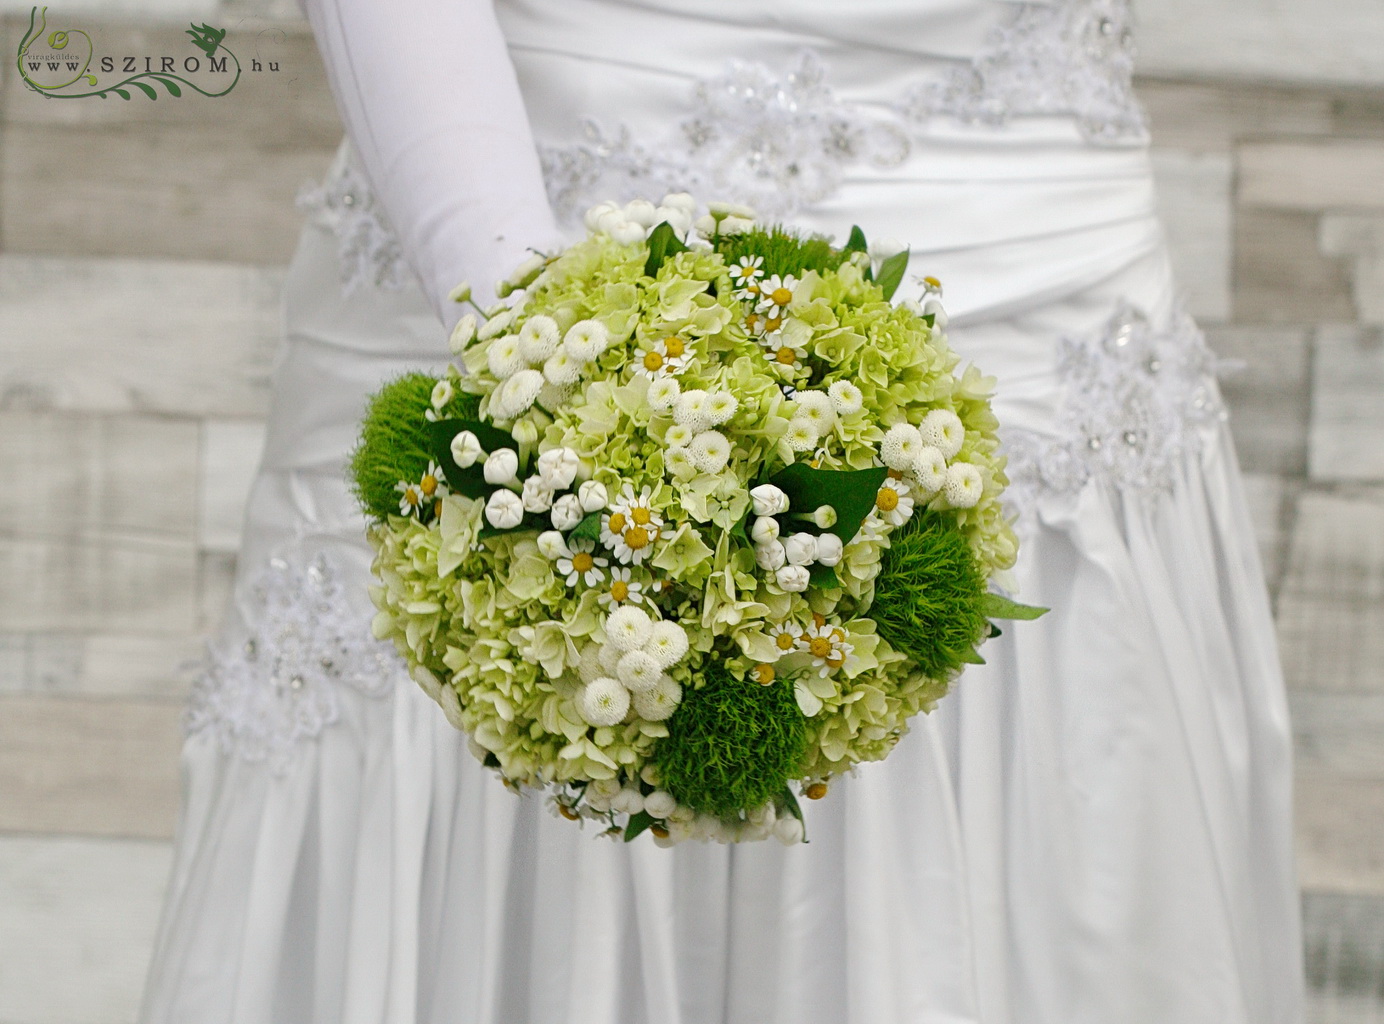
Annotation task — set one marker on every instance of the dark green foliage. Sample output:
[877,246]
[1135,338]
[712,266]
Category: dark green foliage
[930,598]
[851,492]
[732,744]
[783,252]
[394,440]
[663,242]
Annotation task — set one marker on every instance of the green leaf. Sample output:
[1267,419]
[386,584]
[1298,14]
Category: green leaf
[972,657]
[891,273]
[663,242]
[588,529]
[471,480]
[171,86]
[148,89]
[824,576]
[638,823]
[851,492]
[791,802]
[856,243]
[996,607]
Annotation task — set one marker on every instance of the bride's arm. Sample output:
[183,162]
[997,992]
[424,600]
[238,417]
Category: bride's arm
[430,101]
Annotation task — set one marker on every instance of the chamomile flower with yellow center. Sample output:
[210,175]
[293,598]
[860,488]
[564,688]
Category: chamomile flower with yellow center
[622,589]
[775,293]
[785,636]
[828,645]
[410,498]
[745,275]
[582,564]
[785,357]
[635,544]
[666,359]
[894,502]
[765,328]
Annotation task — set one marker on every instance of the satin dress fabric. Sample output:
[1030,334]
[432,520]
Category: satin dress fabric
[1093,827]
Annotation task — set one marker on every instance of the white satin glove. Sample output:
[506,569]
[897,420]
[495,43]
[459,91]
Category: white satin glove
[430,101]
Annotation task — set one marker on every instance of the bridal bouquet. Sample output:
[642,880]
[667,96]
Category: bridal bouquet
[700,519]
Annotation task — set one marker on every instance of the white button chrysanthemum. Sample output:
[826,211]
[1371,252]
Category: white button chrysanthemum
[561,368]
[678,435]
[558,467]
[801,549]
[504,510]
[793,579]
[628,801]
[586,340]
[660,804]
[536,495]
[930,470]
[538,338]
[900,446]
[658,703]
[592,495]
[769,500]
[501,466]
[829,549]
[466,449]
[552,397]
[638,671]
[496,325]
[801,434]
[610,656]
[964,485]
[442,393]
[845,397]
[690,410]
[894,502]
[516,395]
[710,451]
[668,643]
[589,663]
[770,556]
[943,429]
[462,334]
[720,407]
[567,513]
[765,529]
[679,463]
[504,358]
[662,393]
[628,629]
[817,409]
[604,701]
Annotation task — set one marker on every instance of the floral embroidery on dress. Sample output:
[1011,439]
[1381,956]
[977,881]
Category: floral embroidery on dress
[1136,401]
[367,248]
[281,684]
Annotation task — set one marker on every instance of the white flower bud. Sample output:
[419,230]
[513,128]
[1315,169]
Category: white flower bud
[722,209]
[628,801]
[824,517]
[933,307]
[567,513]
[466,449]
[603,702]
[680,201]
[765,529]
[788,830]
[770,556]
[462,334]
[829,549]
[552,547]
[801,549]
[525,272]
[496,325]
[592,218]
[642,212]
[882,248]
[536,496]
[501,467]
[504,510]
[525,432]
[736,225]
[558,468]
[629,233]
[592,496]
[769,500]
[705,225]
[660,804]
[461,293]
[793,579]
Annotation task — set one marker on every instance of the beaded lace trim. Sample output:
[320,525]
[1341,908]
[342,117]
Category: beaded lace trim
[1136,401]
[366,245]
[281,685]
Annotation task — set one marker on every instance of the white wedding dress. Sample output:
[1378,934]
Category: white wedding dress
[1093,828]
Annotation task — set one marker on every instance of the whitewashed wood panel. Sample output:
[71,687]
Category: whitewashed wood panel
[1194,201]
[89,767]
[97,665]
[1281,275]
[121,335]
[1211,116]
[1338,546]
[216,570]
[1268,393]
[1317,175]
[144,585]
[1361,239]
[1346,441]
[230,456]
[77,927]
[1339,733]
[1264,493]
[1339,841]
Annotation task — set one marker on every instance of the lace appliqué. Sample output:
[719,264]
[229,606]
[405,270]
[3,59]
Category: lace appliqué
[281,686]
[1070,57]
[366,247]
[1136,401]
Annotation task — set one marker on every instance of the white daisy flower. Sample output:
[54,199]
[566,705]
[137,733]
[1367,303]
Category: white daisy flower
[666,358]
[410,498]
[710,451]
[845,397]
[462,334]
[561,369]
[660,701]
[662,393]
[557,468]
[628,629]
[678,435]
[622,589]
[931,286]
[964,485]
[538,339]
[536,495]
[668,643]
[900,446]
[828,646]
[638,508]
[930,470]
[745,275]
[466,449]
[638,671]
[801,549]
[567,513]
[816,408]
[894,502]
[801,435]
[769,500]
[635,543]
[720,407]
[770,556]
[793,579]
[690,410]
[592,494]
[504,510]
[784,356]
[775,293]
[603,701]
[501,466]
[585,340]
[785,636]
[829,550]
[516,395]
[943,429]
[504,358]
[581,564]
